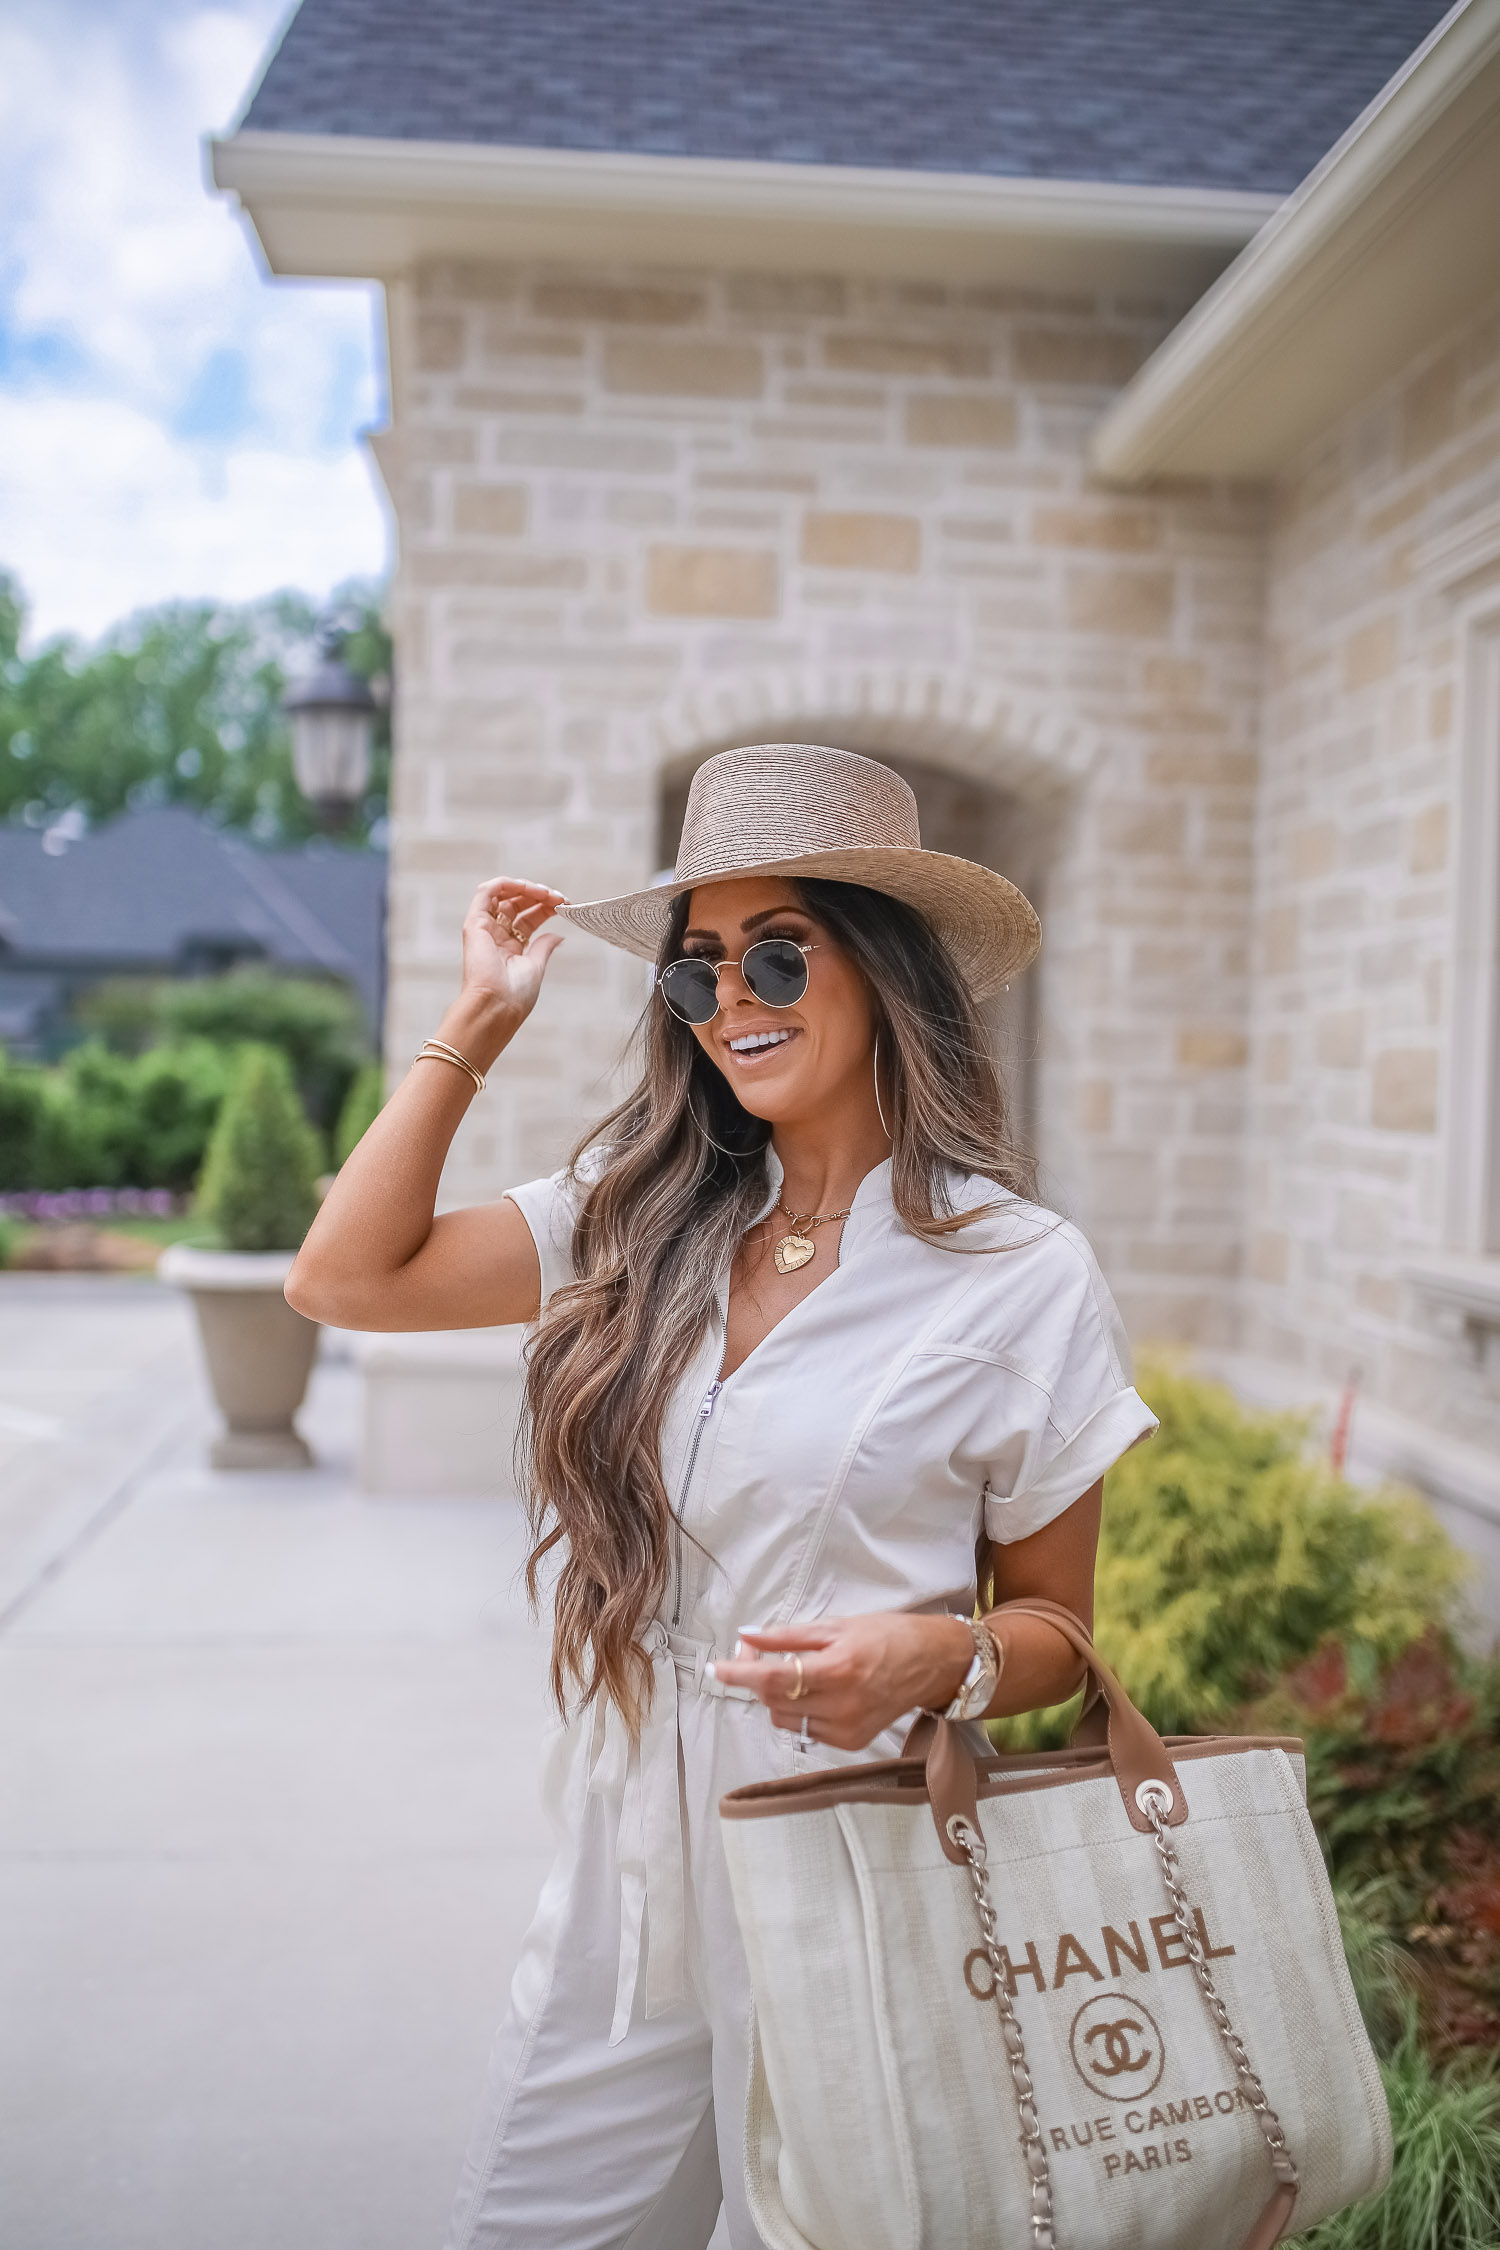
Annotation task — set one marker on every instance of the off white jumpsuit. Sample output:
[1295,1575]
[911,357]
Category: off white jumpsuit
[845,1466]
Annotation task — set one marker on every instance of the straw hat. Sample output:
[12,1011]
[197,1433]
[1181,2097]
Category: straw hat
[795,808]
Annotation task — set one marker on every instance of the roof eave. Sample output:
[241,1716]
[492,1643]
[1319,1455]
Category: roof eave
[340,205]
[1389,243]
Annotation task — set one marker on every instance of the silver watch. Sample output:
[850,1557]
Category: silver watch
[977,1688]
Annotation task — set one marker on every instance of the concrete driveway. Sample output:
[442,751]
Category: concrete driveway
[268,1823]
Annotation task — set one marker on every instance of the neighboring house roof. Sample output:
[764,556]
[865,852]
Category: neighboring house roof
[164,891]
[1231,94]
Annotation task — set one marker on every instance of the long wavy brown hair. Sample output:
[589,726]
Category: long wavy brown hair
[662,1212]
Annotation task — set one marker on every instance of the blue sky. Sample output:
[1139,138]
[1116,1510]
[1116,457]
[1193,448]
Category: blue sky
[171,423]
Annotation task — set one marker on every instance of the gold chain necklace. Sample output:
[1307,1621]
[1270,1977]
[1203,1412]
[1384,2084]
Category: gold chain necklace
[795,1249]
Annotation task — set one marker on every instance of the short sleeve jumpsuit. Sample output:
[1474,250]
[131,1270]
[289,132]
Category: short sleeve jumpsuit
[918,1395]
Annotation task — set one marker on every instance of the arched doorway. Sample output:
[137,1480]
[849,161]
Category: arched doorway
[971,818]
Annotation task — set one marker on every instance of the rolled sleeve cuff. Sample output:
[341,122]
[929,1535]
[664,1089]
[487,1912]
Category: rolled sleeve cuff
[547,1213]
[1121,1422]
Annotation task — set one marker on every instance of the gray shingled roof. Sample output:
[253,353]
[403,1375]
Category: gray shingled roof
[156,891]
[1196,93]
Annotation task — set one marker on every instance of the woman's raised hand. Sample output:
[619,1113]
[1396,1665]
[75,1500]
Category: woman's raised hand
[504,958]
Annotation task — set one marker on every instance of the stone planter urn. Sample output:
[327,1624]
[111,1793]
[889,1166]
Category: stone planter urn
[258,1350]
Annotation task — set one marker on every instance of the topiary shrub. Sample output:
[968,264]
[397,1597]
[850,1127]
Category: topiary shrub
[362,1105]
[257,1187]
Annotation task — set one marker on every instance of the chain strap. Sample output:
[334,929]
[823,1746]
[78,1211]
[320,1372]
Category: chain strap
[1033,2147]
[1155,1802]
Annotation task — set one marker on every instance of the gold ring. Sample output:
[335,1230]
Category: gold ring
[795,1694]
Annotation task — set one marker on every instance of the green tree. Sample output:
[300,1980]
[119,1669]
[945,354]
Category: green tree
[180,704]
[258,1186]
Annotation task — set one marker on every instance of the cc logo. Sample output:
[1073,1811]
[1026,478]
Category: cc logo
[1117,2047]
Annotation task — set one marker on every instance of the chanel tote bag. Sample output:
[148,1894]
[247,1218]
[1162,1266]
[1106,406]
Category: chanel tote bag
[1091,1999]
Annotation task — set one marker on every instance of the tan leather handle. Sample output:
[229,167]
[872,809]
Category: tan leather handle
[1136,1751]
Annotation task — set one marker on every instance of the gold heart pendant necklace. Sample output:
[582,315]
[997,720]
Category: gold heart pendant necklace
[797,1247]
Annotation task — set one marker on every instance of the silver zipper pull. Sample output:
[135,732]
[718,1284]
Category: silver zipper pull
[708,1400]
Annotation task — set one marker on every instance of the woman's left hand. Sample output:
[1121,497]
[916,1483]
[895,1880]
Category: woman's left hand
[856,1675]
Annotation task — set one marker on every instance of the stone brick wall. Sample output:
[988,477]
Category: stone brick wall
[643,516]
[1350,1148]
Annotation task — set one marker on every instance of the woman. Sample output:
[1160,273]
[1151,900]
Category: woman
[804,1349]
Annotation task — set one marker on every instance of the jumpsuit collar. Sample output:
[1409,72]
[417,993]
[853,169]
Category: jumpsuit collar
[870,1211]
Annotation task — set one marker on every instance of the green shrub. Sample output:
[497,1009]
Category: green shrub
[1228,1554]
[318,1025]
[178,1093]
[22,1096]
[90,1132]
[257,1186]
[362,1105]
[103,1119]
[10,1235]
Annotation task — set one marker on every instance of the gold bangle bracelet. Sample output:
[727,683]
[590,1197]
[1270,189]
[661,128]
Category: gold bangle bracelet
[438,1050]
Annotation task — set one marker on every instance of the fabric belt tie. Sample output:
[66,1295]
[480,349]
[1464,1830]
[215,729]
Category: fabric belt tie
[639,1779]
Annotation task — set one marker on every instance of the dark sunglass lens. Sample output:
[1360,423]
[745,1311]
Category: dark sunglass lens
[776,972]
[691,990]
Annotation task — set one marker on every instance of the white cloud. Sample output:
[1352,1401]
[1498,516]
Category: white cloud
[170,423]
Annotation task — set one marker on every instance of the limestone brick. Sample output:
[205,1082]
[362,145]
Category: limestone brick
[1212,1047]
[973,420]
[933,354]
[774,296]
[440,340]
[679,368]
[1312,851]
[493,511]
[1135,602]
[646,304]
[1117,530]
[1341,1039]
[1370,653]
[711,582]
[1077,354]
[1403,1090]
[460,567]
[1429,841]
[862,542]
[1096,1105]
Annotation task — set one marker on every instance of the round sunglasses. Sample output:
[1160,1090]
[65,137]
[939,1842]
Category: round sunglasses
[774,970]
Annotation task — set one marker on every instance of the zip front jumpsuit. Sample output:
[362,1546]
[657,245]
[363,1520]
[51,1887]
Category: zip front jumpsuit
[917,1395]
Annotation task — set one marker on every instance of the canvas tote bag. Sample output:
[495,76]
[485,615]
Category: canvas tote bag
[1090,1999]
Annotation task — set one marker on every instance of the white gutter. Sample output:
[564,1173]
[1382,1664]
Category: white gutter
[1393,236]
[335,203]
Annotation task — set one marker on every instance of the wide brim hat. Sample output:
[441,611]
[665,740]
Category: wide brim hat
[801,809]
